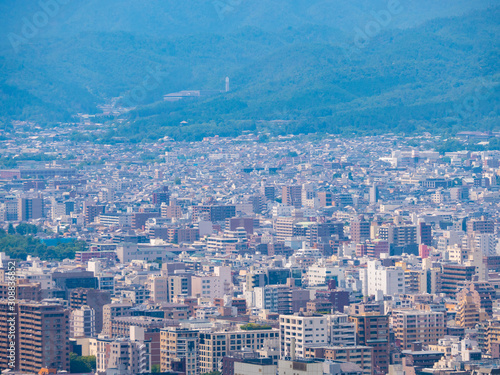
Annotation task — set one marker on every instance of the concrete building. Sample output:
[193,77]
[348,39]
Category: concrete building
[360,231]
[111,311]
[300,367]
[128,356]
[280,299]
[83,322]
[179,345]
[479,226]
[341,330]
[93,298]
[41,335]
[320,274]
[469,311]
[359,355]
[412,326]
[292,196]
[214,285]
[299,330]
[29,208]
[214,346]
[453,275]
[25,290]
[378,279]
[254,367]
[372,329]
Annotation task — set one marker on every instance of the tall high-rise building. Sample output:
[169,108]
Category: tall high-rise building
[360,231]
[41,339]
[469,311]
[292,196]
[161,196]
[29,208]
[372,329]
[453,275]
[424,234]
[91,211]
[270,192]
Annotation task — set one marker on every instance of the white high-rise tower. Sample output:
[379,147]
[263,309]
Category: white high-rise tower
[227,84]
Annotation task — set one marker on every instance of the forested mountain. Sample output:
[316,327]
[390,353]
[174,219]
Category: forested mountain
[336,66]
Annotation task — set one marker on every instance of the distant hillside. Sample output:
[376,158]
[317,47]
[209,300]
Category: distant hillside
[288,60]
[404,80]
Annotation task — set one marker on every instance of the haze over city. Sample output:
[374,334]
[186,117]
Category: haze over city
[226,187]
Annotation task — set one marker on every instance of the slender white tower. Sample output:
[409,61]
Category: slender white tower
[227,84]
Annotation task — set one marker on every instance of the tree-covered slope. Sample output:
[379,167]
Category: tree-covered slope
[288,60]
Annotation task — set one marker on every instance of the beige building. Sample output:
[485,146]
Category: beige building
[179,285]
[246,368]
[214,346]
[359,355]
[410,326]
[469,311]
[111,311]
[158,288]
[177,344]
[300,367]
[214,285]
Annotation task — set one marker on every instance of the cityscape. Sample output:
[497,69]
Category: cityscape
[265,187]
[250,255]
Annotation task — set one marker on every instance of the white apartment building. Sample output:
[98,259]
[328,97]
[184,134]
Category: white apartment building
[378,279]
[282,210]
[82,323]
[319,274]
[296,331]
[267,297]
[485,243]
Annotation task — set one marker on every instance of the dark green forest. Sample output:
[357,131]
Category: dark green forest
[18,243]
